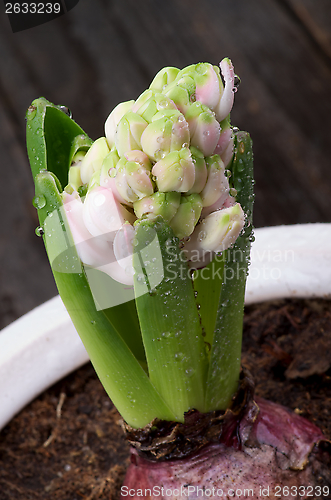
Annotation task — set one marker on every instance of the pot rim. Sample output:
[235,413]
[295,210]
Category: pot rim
[40,348]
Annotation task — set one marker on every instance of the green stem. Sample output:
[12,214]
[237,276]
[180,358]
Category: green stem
[225,358]
[169,320]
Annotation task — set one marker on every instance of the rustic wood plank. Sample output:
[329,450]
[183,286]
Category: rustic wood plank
[104,52]
[315,16]
[25,276]
[283,101]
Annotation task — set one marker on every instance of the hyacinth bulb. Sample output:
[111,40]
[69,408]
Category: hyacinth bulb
[272,454]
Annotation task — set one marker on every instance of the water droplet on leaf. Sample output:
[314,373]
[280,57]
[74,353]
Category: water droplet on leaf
[65,110]
[39,201]
[39,231]
[236,83]
[31,113]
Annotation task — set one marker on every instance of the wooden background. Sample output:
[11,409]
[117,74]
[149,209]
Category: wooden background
[106,51]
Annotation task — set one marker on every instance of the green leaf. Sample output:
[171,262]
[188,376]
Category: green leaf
[119,371]
[52,138]
[112,336]
[207,284]
[225,359]
[169,319]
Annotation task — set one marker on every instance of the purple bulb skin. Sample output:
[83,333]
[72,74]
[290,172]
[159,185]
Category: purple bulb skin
[269,452]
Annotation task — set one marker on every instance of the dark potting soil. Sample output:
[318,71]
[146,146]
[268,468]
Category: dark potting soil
[68,444]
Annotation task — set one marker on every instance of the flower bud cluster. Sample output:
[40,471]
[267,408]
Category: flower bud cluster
[164,154]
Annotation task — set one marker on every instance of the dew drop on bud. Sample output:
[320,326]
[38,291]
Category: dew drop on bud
[39,201]
[65,110]
[202,235]
[241,147]
[236,83]
[233,192]
[39,231]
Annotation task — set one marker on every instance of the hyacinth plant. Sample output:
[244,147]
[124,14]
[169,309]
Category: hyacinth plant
[148,233]
[138,214]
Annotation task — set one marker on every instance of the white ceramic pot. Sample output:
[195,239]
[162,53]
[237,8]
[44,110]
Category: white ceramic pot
[42,346]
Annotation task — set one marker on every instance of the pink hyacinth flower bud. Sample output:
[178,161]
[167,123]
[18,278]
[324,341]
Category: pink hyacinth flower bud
[107,176]
[208,85]
[200,171]
[167,132]
[91,251]
[96,251]
[123,248]
[204,128]
[164,204]
[103,215]
[175,172]
[114,119]
[224,201]
[93,159]
[147,108]
[217,184]
[219,230]
[225,104]
[133,178]
[179,95]
[129,132]
[163,78]
[187,215]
